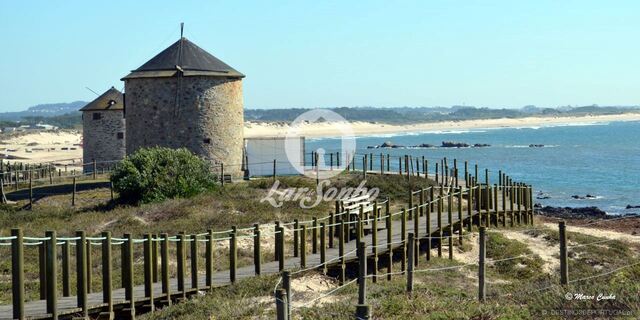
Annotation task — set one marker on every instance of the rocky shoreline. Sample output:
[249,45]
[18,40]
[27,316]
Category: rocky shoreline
[576,213]
[444,144]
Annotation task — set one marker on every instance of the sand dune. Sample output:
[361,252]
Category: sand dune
[253,129]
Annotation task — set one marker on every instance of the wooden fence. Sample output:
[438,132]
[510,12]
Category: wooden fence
[437,213]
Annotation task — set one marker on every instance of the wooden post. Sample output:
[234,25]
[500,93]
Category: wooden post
[450,219]
[148,270]
[81,273]
[364,167]
[481,265]
[511,212]
[52,274]
[286,285]
[233,255]
[564,266]
[470,208]
[276,235]
[128,289]
[504,206]
[374,243]
[274,169]
[459,190]
[403,238]
[296,237]
[323,247]
[411,263]
[487,203]
[107,293]
[164,269]
[362,273]
[437,174]
[66,269]
[411,213]
[95,170]
[303,247]
[257,258]
[428,225]
[531,204]
[332,220]
[30,193]
[342,236]
[89,266]
[209,260]
[73,196]
[281,304]
[314,236]
[154,258]
[17,274]
[180,255]
[280,240]
[416,228]
[439,218]
[194,262]
[389,227]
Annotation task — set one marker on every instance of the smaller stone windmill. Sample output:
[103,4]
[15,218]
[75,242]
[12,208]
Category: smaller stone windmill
[103,130]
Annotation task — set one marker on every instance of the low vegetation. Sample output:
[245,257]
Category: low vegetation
[156,174]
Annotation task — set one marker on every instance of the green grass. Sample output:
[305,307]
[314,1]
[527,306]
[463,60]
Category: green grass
[513,289]
[237,204]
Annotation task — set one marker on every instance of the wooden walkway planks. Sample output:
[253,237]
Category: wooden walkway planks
[68,305]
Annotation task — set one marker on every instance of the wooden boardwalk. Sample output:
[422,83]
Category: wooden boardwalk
[67,307]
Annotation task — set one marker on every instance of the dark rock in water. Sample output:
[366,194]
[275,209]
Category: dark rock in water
[567,212]
[481,145]
[632,207]
[451,144]
[424,145]
[543,197]
[372,147]
[588,196]
[387,144]
[536,145]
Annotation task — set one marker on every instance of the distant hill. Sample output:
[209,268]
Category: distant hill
[402,115]
[44,110]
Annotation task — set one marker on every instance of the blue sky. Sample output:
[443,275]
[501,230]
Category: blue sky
[336,53]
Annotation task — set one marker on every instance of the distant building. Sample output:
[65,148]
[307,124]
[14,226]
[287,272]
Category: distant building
[103,129]
[186,97]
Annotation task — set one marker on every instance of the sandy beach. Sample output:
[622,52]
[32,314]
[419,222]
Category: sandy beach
[41,147]
[253,129]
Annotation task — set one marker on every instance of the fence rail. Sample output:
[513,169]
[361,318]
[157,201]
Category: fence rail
[433,215]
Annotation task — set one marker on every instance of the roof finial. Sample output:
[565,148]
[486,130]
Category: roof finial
[181,29]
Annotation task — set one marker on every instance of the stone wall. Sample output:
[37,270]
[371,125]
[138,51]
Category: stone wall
[100,137]
[204,116]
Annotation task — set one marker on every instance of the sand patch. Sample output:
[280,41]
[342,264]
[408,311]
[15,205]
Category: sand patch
[307,288]
[538,246]
[600,233]
[466,257]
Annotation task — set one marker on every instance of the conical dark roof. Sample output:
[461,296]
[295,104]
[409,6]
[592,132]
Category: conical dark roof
[187,57]
[110,100]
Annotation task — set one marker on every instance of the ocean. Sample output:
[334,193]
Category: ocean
[599,159]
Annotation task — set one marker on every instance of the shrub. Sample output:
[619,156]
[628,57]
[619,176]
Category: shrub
[156,174]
